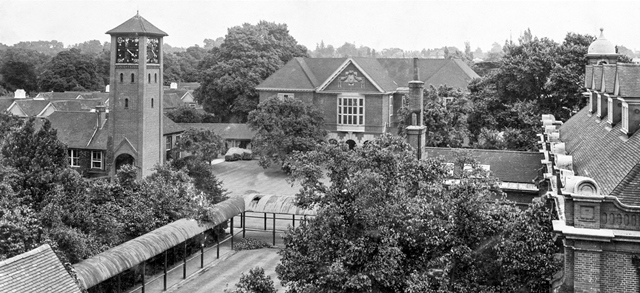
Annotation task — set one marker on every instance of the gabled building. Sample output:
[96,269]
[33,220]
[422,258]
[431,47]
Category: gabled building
[592,163]
[360,97]
[37,270]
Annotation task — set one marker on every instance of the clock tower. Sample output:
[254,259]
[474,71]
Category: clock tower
[135,99]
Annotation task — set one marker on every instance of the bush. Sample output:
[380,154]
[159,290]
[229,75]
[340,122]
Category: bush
[254,282]
[250,243]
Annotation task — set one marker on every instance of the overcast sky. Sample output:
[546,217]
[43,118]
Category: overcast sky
[409,25]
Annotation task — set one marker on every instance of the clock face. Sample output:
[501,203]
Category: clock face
[153,50]
[127,50]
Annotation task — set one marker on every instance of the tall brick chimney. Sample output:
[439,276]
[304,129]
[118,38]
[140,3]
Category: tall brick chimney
[102,116]
[416,130]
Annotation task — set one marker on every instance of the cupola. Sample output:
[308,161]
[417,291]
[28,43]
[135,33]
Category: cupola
[602,51]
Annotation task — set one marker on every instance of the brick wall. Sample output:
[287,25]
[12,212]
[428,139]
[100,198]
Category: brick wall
[618,273]
[586,271]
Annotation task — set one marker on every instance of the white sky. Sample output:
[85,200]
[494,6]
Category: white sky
[405,24]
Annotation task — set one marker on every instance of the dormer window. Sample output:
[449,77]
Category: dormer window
[625,118]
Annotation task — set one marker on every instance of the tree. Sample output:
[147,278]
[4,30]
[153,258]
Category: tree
[249,54]
[388,223]
[186,114]
[254,282]
[19,68]
[284,126]
[446,122]
[202,143]
[71,70]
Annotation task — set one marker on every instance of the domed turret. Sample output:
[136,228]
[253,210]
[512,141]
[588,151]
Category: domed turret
[602,51]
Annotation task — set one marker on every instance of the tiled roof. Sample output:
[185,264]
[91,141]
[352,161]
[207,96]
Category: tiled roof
[75,105]
[32,107]
[226,130]
[603,156]
[61,95]
[137,24]
[629,79]
[171,100]
[5,103]
[76,129]
[588,76]
[508,166]
[597,77]
[168,126]
[38,270]
[388,73]
[609,77]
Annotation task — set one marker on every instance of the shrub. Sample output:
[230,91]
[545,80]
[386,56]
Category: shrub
[254,282]
[250,243]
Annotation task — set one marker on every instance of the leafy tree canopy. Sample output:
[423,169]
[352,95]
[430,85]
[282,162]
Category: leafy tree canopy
[71,70]
[248,55]
[284,126]
[202,143]
[186,114]
[389,223]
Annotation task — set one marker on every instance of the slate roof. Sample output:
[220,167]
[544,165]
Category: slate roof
[76,129]
[139,25]
[226,130]
[171,101]
[32,107]
[38,270]
[602,155]
[5,103]
[629,79]
[508,166]
[307,74]
[61,95]
[75,105]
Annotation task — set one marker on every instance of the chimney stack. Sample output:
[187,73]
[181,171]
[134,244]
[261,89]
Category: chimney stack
[416,131]
[102,115]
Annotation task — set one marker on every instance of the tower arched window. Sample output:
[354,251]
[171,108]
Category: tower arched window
[132,77]
[149,78]
[121,77]
[155,78]
[126,103]
[151,102]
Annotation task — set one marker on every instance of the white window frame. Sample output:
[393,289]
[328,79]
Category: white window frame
[625,118]
[96,160]
[282,96]
[168,142]
[609,110]
[74,158]
[350,112]
[447,100]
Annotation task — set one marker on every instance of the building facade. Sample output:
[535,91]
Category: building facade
[360,97]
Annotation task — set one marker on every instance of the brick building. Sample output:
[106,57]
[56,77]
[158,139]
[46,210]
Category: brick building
[592,162]
[360,97]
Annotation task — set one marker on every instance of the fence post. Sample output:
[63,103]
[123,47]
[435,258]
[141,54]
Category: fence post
[274,229]
[294,220]
[265,221]
[184,261]
[202,251]
[217,246]
[165,270]
[119,283]
[244,223]
[143,272]
[231,233]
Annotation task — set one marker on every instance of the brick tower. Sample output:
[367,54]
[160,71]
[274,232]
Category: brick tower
[135,106]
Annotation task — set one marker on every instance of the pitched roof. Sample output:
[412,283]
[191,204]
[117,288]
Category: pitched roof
[171,100]
[601,154]
[75,105]
[38,270]
[5,103]
[61,95]
[628,79]
[226,130]
[138,25]
[168,126]
[389,73]
[32,107]
[508,166]
[76,129]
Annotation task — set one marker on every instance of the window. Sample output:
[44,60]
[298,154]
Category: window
[625,118]
[169,142]
[155,78]
[151,102]
[149,77]
[121,77]
[390,108]
[96,159]
[74,158]
[126,103]
[447,100]
[132,78]
[351,112]
[281,96]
